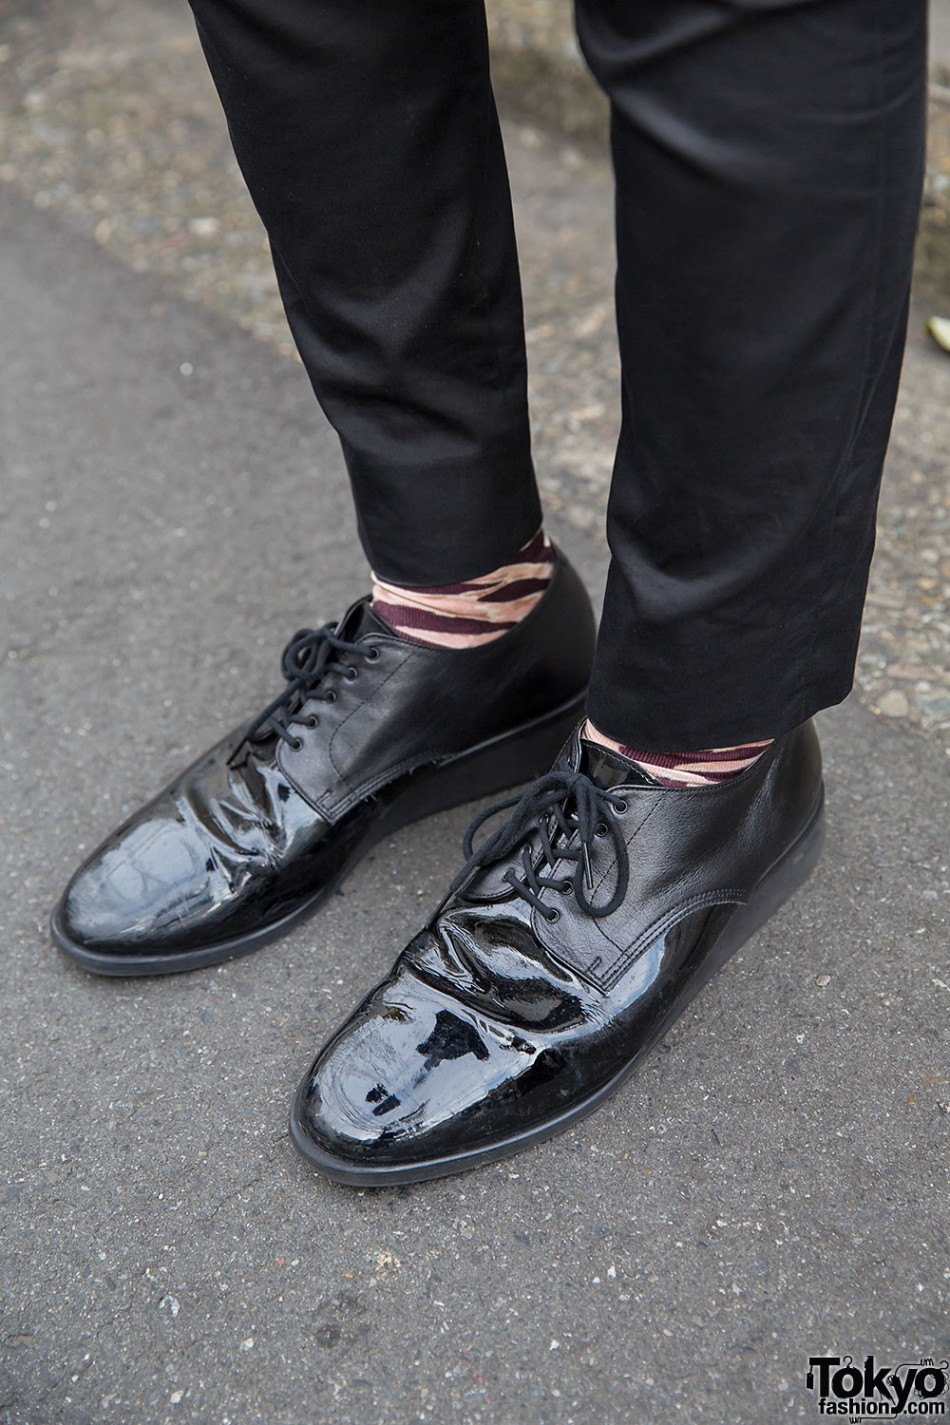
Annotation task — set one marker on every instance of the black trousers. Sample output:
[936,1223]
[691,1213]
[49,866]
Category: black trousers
[768,158]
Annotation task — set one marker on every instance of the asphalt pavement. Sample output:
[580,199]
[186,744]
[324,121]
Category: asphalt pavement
[773,1185]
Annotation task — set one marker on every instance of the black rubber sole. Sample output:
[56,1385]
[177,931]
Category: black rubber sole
[777,886]
[491,767]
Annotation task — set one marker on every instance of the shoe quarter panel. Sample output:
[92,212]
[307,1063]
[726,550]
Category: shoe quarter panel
[689,852]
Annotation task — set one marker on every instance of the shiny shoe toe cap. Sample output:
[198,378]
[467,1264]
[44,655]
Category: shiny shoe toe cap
[149,884]
[410,1077]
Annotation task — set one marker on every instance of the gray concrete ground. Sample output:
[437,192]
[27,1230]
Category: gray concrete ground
[771,1186]
[940,33]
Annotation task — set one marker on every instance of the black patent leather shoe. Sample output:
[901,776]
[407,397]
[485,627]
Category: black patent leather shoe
[570,942]
[370,733]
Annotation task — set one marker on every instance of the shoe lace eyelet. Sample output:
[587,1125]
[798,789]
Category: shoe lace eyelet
[313,720]
[601,829]
[351,674]
[328,697]
[552,914]
[373,654]
[619,807]
[296,743]
[564,887]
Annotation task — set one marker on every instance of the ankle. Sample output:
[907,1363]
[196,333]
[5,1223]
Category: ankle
[703,768]
[473,612]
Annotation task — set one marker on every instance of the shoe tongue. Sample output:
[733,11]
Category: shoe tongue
[607,768]
[359,619]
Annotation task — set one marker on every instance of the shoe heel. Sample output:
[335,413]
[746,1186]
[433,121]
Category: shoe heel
[495,766]
[786,876]
[776,887]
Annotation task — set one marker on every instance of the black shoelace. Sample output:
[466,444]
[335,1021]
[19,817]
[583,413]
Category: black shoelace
[306,660]
[560,804]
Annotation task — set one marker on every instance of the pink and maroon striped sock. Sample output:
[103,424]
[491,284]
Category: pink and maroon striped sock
[685,769]
[469,614]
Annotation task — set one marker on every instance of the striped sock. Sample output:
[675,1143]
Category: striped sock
[470,614]
[686,769]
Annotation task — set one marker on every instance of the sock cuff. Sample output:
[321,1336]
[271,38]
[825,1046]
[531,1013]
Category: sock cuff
[703,768]
[474,611]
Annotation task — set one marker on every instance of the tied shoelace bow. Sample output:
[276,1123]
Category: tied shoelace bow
[558,806]
[308,657]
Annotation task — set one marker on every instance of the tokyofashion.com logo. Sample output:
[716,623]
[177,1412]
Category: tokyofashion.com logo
[873,1392]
